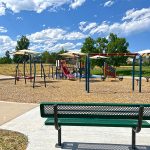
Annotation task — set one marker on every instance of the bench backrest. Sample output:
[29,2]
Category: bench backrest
[94,110]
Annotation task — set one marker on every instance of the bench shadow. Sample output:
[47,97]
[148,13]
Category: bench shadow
[97,146]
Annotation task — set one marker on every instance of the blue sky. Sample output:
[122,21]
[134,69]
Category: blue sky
[53,24]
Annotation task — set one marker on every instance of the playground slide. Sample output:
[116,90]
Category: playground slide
[67,73]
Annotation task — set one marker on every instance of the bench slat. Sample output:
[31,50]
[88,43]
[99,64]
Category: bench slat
[97,122]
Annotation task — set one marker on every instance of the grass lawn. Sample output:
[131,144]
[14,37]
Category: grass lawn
[9,69]
[126,71]
[10,140]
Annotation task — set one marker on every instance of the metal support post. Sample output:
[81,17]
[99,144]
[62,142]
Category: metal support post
[133,139]
[133,73]
[30,69]
[88,75]
[34,75]
[140,73]
[86,64]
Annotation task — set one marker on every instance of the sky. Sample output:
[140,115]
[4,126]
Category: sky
[51,25]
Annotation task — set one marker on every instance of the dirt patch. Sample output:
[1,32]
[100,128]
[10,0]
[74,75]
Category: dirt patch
[10,140]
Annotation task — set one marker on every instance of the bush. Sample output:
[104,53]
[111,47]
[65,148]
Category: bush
[5,60]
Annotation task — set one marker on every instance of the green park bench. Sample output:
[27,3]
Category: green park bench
[135,116]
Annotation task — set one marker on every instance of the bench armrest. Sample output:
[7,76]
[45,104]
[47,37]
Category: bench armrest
[56,117]
[139,125]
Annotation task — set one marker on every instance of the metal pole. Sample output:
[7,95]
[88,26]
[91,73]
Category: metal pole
[133,73]
[88,77]
[34,74]
[41,70]
[140,73]
[133,139]
[49,71]
[52,72]
[24,67]
[56,72]
[30,69]
[80,71]
[86,74]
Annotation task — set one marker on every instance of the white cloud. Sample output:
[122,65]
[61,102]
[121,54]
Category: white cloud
[3,30]
[75,36]
[67,46]
[83,26]
[2,9]
[36,5]
[108,3]
[134,21]
[76,3]
[53,39]
[54,35]
[6,44]
[135,15]
[48,34]
[19,18]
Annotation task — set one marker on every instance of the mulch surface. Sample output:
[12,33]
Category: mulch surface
[111,90]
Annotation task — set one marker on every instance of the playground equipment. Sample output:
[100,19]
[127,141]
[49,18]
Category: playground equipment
[110,71]
[66,71]
[87,86]
[32,66]
[70,65]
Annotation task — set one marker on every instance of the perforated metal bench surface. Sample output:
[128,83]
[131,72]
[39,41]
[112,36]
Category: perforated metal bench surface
[94,114]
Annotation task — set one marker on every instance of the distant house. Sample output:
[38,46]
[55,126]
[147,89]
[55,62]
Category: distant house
[145,55]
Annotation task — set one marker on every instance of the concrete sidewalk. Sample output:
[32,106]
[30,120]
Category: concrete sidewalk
[43,137]
[11,110]
[4,77]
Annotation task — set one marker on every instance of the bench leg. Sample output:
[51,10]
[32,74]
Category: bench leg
[133,139]
[58,145]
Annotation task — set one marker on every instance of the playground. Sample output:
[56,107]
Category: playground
[61,85]
[110,90]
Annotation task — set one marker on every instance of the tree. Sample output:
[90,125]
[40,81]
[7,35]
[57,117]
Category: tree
[7,54]
[101,47]
[23,43]
[117,45]
[88,46]
[62,51]
[6,59]
[45,58]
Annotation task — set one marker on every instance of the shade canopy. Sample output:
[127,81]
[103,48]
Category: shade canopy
[72,54]
[98,57]
[25,52]
[67,54]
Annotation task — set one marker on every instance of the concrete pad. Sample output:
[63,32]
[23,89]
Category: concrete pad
[4,77]
[11,110]
[43,137]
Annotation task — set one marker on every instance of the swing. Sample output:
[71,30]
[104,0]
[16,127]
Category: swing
[28,76]
[18,75]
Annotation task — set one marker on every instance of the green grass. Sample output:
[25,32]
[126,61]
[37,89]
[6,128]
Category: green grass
[9,69]
[10,140]
[125,71]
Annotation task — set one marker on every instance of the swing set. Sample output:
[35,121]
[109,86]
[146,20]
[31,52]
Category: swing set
[32,66]
[87,81]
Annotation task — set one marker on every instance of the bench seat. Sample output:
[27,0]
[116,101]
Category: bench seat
[135,116]
[97,122]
